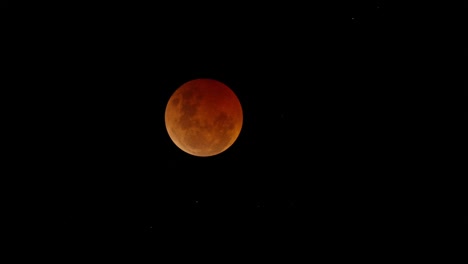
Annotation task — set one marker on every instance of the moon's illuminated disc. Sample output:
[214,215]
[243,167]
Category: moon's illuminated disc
[203,117]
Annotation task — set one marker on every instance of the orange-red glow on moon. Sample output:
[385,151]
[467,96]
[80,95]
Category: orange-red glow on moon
[203,117]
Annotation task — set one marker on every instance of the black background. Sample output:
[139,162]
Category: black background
[325,160]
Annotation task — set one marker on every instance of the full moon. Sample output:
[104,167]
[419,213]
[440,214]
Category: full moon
[203,117]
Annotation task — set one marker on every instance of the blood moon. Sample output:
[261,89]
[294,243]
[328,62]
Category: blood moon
[203,117]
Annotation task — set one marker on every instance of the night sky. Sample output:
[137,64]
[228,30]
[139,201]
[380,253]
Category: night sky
[319,158]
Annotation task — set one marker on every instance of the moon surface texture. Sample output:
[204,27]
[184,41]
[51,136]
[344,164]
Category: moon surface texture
[203,117]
